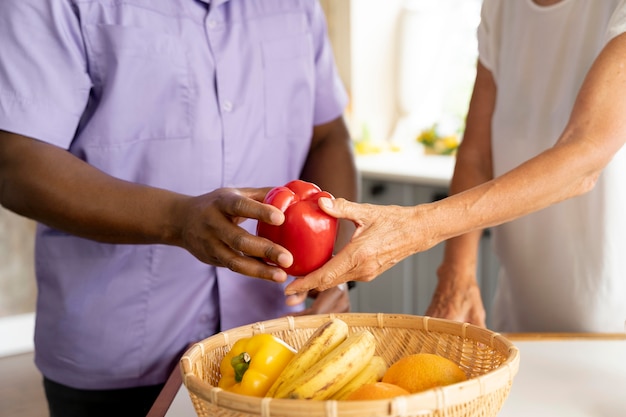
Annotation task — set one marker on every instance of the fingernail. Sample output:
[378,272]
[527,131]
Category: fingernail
[276,218]
[291,300]
[326,202]
[279,276]
[285,260]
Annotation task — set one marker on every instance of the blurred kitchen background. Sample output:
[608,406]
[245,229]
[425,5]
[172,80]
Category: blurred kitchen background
[17,283]
[407,65]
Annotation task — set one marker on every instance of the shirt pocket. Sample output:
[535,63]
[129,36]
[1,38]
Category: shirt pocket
[141,85]
[289,73]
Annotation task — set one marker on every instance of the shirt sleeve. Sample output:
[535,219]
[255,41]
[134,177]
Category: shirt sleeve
[44,85]
[331,97]
[486,34]
[617,24]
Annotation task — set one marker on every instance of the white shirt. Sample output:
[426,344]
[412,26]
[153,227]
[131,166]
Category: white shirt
[563,268]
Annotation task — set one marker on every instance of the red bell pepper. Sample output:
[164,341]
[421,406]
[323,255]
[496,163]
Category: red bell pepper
[308,233]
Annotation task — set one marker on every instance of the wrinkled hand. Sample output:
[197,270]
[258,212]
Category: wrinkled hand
[332,300]
[211,232]
[384,236]
[457,297]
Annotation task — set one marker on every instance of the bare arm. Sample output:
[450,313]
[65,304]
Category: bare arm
[595,132]
[50,185]
[457,295]
[386,234]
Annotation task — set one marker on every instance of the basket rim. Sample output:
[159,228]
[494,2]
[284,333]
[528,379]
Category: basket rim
[429,400]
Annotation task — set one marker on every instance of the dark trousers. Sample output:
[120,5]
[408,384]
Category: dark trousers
[64,401]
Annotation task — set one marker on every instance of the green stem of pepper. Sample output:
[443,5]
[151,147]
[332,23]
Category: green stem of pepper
[240,364]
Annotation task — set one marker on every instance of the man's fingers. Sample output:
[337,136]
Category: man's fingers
[246,265]
[262,248]
[257,194]
[248,203]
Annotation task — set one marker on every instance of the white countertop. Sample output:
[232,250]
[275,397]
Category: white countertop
[573,378]
[410,164]
[578,378]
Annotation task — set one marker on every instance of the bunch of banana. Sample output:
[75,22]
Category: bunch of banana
[373,372]
[328,361]
[327,337]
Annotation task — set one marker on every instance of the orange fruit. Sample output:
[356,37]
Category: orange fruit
[422,371]
[376,391]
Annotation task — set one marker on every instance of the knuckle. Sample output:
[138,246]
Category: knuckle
[233,263]
[328,281]
[268,253]
[239,205]
[238,242]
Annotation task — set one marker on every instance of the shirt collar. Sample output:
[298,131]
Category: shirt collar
[215,2]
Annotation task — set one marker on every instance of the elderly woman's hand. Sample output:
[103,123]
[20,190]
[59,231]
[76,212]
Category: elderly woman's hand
[384,235]
[457,295]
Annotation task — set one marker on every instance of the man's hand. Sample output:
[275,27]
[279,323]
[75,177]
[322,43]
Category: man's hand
[211,232]
[84,201]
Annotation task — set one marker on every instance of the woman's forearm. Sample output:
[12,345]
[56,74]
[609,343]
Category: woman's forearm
[554,176]
[594,134]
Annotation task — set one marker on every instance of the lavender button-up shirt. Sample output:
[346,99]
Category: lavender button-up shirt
[180,94]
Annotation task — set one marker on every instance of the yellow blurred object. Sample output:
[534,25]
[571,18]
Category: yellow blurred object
[363,147]
[366,146]
[369,148]
[394,148]
[436,143]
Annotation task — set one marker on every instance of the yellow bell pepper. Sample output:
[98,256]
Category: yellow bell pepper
[253,364]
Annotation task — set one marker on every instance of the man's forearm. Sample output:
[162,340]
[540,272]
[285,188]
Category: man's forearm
[48,184]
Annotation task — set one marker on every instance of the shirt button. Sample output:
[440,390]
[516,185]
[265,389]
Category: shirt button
[227,106]
[212,24]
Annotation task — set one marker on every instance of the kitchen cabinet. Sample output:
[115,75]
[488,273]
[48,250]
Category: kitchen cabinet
[408,179]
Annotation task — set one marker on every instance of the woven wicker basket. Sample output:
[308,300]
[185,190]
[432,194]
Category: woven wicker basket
[489,360]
